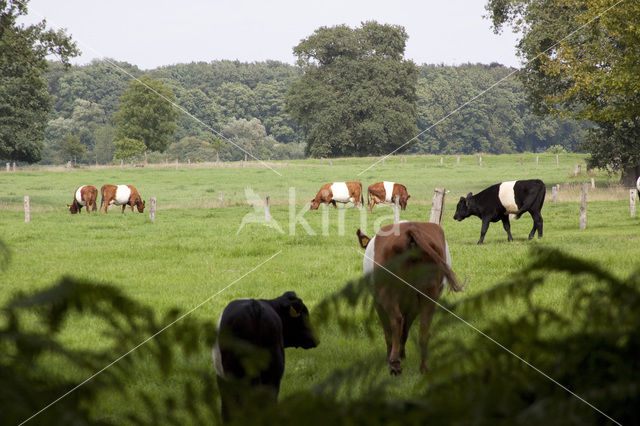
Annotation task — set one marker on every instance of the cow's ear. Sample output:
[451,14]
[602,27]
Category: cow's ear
[469,194]
[408,196]
[364,240]
[293,313]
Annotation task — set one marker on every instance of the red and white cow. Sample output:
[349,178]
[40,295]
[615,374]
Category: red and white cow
[121,195]
[385,192]
[341,192]
[414,253]
[86,195]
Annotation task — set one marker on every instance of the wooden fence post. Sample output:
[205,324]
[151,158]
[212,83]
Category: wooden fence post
[441,161]
[330,162]
[383,160]
[458,160]
[14,166]
[593,183]
[8,167]
[583,206]
[554,193]
[27,209]
[396,209]
[176,164]
[521,161]
[220,198]
[267,209]
[437,206]
[189,162]
[632,202]
[536,161]
[152,209]
[479,160]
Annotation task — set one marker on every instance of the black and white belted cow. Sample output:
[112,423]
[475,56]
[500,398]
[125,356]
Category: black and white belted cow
[498,201]
[248,354]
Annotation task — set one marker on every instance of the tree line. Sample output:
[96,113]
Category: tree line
[246,103]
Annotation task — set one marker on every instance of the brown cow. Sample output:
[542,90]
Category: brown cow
[121,195]
[86,195]
[342,192]
[407,252]
[385,192]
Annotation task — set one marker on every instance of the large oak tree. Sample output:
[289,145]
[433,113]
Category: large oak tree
[357,95]
[24,100]
[582,60]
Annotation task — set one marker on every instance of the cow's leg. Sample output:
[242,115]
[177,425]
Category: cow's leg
[334,204]
[483,231]
[426,316]
[406,325]
[507,226]
[396,321]
[123,207]
[537,224]
[372,203]
[386,327]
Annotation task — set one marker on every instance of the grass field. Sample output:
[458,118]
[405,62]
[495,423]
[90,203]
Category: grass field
[195,248]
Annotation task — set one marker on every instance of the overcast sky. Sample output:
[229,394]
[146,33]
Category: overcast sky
[151,33]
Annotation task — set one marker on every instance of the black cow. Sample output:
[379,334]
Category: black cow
[498,201]
[249,352]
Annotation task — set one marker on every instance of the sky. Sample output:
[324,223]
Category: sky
[152,33]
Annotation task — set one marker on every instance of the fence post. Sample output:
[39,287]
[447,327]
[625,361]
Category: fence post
[383,160]
[8,167]
[152,209]
[441,161]
[521,161]
[27,209]
[176,164]
[267,209]
[458,160]
[330,162]
[437,206]
[396,209]
[583,206]
[189,162]
[632,202]
[220,198]
[479,160]
[593,183]
[536,161]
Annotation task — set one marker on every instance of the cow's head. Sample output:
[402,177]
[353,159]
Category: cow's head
[296,327]
[464,208]
[73,208]
[315,203]
[140,205]
[403,201]
[363,239]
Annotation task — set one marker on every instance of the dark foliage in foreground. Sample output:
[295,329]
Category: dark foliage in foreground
[591,348]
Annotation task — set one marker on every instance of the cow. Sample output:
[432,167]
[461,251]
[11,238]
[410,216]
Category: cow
[248,354]
[86,195]
[121,195]
[408,265]
[638,186]
[385,192]
[342,192]
[498,201]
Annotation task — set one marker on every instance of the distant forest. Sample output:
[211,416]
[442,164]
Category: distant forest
[245,102]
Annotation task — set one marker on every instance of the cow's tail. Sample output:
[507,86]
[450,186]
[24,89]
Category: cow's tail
[441,263]
[535,202]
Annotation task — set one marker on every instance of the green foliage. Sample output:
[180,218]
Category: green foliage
[193,149]
[357,95]
[146,113]
[127,148]
[581,61]
[71,147]
[251,136]
[556,149]
[24,101]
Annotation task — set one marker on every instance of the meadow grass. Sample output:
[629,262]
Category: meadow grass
[195,248]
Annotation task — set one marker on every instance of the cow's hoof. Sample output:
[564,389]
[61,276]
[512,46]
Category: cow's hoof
[480,243]
[395,368]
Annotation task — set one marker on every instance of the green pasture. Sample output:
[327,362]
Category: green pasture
[195,248]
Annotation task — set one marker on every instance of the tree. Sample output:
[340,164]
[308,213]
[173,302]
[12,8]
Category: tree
[24,101]
[146,114]
[127,148]
[72,148]
[581,61]
[357,95]
[251,136]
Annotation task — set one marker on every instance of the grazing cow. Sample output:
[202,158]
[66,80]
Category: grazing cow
[248,354]
[416,253]
[86,195]
[638,185]
[385,192]
[121,195]
[342,192]
[498,201]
